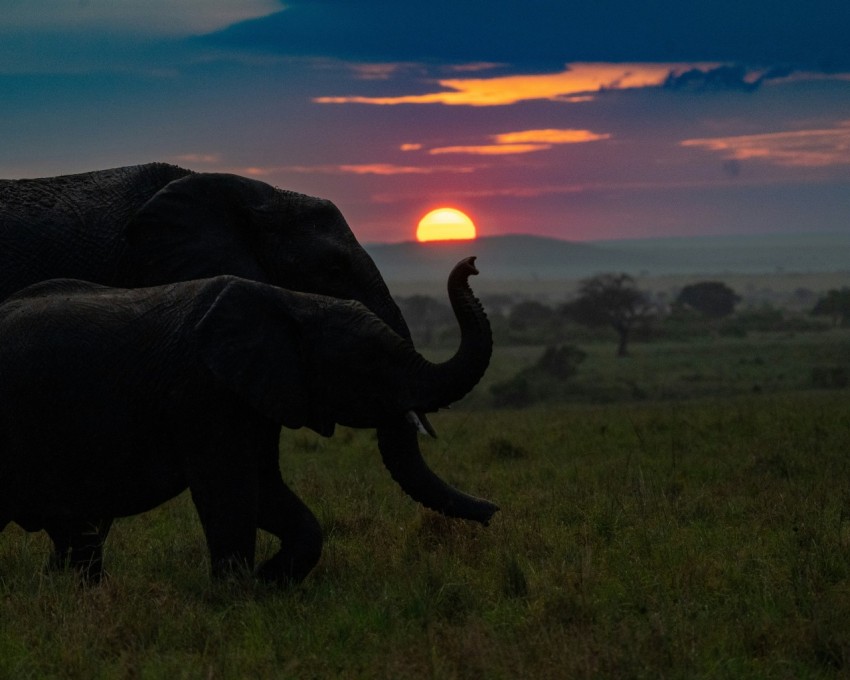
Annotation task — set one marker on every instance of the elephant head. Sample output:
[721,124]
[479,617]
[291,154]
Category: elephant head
[313,361]
[209,224]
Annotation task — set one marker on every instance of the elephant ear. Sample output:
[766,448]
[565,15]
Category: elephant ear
[251,342]
[193,228]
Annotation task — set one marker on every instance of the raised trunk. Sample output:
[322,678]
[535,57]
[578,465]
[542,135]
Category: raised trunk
[440,385]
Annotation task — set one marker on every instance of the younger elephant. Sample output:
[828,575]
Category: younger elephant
[116,400]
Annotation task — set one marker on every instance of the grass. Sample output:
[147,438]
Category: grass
[702,367]
[707,538]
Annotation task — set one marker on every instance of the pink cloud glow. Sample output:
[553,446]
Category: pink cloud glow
[802,148]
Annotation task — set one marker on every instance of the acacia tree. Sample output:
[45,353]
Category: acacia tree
[836,305]
[611,300]
[712,299]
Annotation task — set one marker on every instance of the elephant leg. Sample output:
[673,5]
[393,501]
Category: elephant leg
[225,497]
[79,544]
[286,516]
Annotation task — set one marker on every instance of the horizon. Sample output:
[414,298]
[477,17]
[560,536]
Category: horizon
[599,123]
[766,235]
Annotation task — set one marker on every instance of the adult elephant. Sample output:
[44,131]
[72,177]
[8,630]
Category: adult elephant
[218,365]
[153,224]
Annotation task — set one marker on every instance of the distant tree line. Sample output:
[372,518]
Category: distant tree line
[612,305]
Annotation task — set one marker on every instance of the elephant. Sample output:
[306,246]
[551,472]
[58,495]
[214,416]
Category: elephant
[157,224]
[116,400]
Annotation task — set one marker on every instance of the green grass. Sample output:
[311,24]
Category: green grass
[708,538]
[701,367]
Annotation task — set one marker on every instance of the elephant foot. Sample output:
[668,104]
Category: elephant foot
[286,568]
[296,557]
[79,546]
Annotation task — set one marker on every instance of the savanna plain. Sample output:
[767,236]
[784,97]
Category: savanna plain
[681,512]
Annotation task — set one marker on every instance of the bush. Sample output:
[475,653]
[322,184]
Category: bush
[545,380]
[560,362]
[830,377]
[513,393]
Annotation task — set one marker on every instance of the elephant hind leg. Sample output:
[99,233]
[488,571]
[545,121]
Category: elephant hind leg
[286,516]
[79,544]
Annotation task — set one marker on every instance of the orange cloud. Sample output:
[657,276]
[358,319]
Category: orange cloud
[378,169]
[802,148]
[410,147]
[550,136]
[384,169]
[576,81]
[491,149]
[524,141]
[359,169]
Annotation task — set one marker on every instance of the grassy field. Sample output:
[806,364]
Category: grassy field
[662,537]
[701,367]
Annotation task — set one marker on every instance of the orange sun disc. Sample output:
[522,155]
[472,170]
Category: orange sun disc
[445,224]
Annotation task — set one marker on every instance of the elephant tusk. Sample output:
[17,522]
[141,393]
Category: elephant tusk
[429,429]
[421,424]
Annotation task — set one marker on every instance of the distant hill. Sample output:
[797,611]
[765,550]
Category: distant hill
[522,257]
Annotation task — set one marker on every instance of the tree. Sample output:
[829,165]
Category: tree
[836,305]
[712,299]
[611,300]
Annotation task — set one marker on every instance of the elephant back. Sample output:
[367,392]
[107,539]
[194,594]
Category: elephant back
[71,226]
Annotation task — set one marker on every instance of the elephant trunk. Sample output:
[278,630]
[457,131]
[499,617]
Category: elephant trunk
[439,385]
[399,445]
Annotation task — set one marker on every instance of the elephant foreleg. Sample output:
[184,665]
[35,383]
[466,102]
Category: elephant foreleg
[227,509]
[79,544]
[286,516]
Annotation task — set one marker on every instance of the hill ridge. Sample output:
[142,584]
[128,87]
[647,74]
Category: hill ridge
[534,257]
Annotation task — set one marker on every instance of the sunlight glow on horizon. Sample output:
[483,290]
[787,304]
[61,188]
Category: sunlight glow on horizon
[445,224]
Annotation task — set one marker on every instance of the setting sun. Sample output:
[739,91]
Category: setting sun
[445,224]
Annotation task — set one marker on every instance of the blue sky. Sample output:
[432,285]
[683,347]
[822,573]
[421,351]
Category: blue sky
[576,120]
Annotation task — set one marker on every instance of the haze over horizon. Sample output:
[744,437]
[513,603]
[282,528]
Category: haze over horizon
[594,122]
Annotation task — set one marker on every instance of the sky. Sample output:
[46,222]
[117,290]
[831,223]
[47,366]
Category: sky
[611,119]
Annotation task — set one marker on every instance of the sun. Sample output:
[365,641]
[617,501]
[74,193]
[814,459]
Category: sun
[445,224]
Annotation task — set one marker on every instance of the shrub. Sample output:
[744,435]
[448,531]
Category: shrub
[513,393]
[560,362]
[546,379]
[830,377]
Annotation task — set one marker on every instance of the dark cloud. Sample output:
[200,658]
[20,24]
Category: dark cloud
[398,31]
[544,34]
[722,78]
